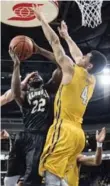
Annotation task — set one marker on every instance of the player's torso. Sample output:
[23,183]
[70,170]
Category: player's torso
[36,109]
[72,99]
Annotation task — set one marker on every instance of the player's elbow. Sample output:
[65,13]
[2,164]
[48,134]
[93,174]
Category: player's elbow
[16,94]
[97,162]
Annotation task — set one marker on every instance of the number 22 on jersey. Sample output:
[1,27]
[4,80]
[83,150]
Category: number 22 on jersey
[39,105]
[84,95]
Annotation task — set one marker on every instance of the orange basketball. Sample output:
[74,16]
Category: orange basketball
[23,47]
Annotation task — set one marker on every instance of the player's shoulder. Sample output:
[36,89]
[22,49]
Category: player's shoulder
[79,71]
[93,79]
[78,68]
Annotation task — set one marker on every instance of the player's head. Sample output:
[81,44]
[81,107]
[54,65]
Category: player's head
[35,81]
[94,62]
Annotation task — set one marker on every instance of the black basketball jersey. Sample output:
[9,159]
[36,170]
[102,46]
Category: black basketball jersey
[37,110]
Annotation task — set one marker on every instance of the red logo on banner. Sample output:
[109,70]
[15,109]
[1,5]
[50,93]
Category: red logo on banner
[24,12]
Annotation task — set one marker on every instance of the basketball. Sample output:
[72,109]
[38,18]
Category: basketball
[22,46]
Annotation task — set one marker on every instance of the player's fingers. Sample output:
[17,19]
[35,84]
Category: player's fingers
[11,53]
[33,6]
[32,40]
[97,132]
[63,25]
[59,30]
[62,22]
[34,73]
[37,7]
[10,50]
[104,130]
[31,74]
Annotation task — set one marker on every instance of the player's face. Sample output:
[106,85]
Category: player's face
[35,81]
[84,61]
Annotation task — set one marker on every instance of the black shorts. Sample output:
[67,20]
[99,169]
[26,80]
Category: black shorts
[24,157]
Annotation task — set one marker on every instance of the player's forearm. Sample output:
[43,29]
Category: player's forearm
[54,41]
[50,35]
[95,161]
[16,82]
[74,49]
[49,55]
[98,156]
[6,98]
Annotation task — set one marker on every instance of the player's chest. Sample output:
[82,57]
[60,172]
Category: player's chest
[38,100]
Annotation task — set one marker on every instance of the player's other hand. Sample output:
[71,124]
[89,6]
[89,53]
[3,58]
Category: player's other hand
[63,30]
[30,75]
[4,134]
[36,48]
[100,136]
[13,56]
[25,81]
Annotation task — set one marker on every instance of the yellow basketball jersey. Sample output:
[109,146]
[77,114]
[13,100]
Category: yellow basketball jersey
[72,174]
[73,98]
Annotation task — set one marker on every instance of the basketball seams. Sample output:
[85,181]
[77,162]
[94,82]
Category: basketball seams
[27,50]
[16,46]
[23,46]
[22,50]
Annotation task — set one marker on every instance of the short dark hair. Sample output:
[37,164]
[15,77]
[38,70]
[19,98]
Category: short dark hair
[98,60]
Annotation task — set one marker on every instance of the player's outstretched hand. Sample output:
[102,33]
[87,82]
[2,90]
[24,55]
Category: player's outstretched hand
[4,134]
[13,56]
[100,136]
[63,30]
[37,12]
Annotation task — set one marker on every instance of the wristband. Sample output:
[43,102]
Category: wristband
[99,145]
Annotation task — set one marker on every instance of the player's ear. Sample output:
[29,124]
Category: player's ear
[90,66]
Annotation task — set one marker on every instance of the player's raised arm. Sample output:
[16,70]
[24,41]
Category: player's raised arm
[94,161]
[64,61]
[74,49]
[39,50]
[16,81]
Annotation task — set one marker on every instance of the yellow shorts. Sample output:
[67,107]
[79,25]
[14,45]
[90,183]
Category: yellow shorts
[64,142]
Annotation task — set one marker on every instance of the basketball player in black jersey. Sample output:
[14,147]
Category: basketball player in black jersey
[36,105]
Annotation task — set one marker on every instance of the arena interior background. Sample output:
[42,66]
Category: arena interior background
[98,112]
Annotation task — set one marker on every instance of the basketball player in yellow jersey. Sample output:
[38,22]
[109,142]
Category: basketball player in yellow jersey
[65,139]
